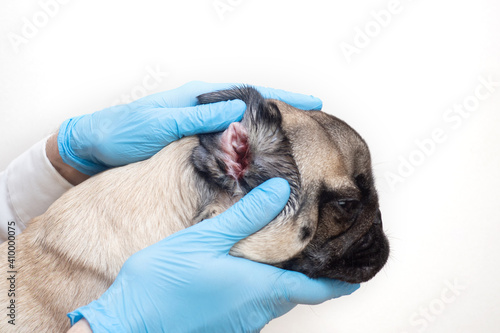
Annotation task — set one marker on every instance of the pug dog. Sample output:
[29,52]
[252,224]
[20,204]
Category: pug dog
[331,226]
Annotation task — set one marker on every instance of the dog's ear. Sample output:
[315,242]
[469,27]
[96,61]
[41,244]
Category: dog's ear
[247,153]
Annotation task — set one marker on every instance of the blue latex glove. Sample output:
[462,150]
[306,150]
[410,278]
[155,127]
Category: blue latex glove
[188,282]
[133,132]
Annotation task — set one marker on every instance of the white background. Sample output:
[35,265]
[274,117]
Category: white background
[442,218]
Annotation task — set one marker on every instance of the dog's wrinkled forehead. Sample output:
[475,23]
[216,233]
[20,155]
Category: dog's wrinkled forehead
[328,152]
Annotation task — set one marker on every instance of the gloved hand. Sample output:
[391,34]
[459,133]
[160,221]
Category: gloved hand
[133,132]
[188,282]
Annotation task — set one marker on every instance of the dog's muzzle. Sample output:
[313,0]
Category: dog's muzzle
[359,263]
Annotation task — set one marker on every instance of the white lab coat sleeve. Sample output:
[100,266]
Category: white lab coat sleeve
[28,186]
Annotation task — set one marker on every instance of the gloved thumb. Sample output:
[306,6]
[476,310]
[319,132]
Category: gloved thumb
[208,118]
[247,216]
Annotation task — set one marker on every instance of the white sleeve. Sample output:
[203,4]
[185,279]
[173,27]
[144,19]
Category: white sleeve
[28,186]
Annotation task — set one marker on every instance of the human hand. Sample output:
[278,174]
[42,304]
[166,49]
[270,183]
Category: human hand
[133,132]
[189,282]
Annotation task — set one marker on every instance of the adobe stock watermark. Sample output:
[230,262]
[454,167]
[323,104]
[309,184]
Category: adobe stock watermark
[453,118]
[429,313]
[222,7]
[31,27]
[363,36]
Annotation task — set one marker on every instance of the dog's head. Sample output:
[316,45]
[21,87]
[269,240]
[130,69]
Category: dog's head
[331,226]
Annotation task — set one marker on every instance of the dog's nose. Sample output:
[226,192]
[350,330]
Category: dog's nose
[378,218]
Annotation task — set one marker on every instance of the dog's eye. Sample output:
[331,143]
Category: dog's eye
[348,205]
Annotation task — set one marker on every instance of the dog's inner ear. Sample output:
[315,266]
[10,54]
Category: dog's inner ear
[248,152]
[235,151]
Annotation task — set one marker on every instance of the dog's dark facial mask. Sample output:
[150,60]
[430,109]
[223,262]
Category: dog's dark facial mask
[331,226]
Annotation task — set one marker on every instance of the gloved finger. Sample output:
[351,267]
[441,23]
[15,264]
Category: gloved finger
[185,96]
[180,122]
[300,101]
[300,289]
[247,216]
